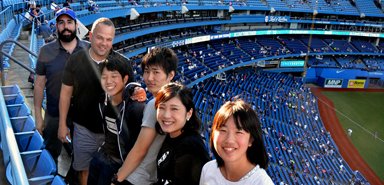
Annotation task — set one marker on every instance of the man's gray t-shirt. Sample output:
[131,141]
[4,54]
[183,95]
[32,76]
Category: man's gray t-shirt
[146,172]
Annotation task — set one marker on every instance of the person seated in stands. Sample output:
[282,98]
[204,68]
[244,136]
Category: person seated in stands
[92,6]
[32,13]
[53,29]
[67,4]
[40,14]
[46,32]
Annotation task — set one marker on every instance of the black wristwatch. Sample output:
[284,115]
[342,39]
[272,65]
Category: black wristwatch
[114,179]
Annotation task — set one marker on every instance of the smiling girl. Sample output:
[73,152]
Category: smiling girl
[237,144]
[183,154]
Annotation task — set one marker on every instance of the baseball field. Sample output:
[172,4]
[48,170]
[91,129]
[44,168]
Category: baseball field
[361,111]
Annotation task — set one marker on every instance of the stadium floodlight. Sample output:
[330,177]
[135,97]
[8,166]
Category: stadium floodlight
[184,9]
[273,10]
[231,9]
[134,14]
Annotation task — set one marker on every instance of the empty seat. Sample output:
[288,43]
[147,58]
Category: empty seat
[13,99]
[11,89]
[29,141]
[58,181]
[18,110]
[39,167]
[23,124]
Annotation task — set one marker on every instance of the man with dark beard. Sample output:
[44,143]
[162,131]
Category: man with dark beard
[49,69]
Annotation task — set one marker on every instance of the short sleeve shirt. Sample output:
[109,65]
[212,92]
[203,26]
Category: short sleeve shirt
[50,63]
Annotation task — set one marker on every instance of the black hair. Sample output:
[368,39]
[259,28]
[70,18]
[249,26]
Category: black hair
[114,64]
[162,57]
[246,119]
[172,90]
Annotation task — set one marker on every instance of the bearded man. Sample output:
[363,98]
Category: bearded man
[49,69]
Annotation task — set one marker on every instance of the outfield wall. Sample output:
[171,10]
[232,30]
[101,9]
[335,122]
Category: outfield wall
[342,78]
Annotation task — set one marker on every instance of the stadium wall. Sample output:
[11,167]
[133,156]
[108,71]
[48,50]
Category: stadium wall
[342,78]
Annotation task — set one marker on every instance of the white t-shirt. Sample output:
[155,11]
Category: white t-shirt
[146,172]
[211,175]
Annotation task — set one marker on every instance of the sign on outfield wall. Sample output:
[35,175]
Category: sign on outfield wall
[356,84]
[333,83]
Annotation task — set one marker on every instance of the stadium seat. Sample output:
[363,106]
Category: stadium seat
[29,141]
[23,124]
[58,181]
[13,99]
[17,110]
[39,167]
[11,89]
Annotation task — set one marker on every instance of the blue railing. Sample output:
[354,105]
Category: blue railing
[5,17]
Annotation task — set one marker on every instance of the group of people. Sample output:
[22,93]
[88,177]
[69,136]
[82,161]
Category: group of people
[93,103]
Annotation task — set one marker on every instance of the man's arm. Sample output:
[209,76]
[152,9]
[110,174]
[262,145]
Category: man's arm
[65,100]
[38,94]
[136,155]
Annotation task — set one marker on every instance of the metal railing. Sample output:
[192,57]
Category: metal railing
[5,17]
[2,75]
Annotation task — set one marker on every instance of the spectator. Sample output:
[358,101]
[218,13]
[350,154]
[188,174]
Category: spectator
[49,69]
[81,89]
[92,6]
[159,66]
[67,4]
[121,122]
[183,154]
[237,144]
[46,32]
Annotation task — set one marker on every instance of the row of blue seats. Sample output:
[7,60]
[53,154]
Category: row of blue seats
[198,54]
[12,31]
[264,89]
[38,163]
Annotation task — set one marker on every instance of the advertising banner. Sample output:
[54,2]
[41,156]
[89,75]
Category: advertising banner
[356,84]
[333,83]
[292,63]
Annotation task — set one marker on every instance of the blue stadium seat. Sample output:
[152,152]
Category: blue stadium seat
[23,124]
[18,110]
[11,89]
[13,99]
[29,141]
[58,181]
[39,167]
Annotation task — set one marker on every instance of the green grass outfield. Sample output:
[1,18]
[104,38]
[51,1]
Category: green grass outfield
[363,112]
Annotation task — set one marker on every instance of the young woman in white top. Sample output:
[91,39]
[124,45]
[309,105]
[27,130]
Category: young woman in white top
[237,144]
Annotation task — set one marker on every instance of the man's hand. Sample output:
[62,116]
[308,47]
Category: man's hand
[40,124]
[63,133]
[139,94]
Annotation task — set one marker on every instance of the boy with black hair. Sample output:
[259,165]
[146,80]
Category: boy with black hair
[121,122]
[140,168]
